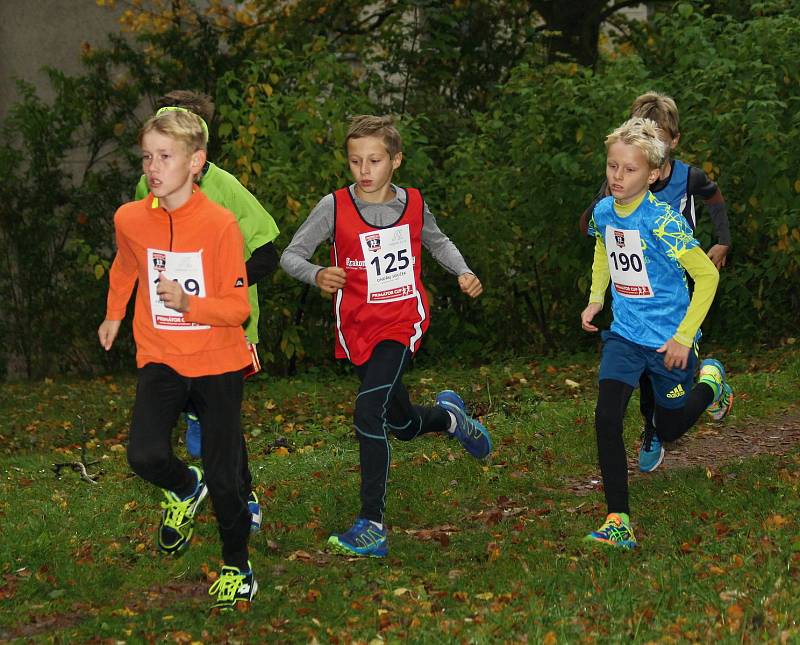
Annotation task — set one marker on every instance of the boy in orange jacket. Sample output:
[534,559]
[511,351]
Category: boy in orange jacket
[186,254]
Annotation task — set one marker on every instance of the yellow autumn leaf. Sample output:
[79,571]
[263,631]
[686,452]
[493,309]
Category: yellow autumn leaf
[797,186]
[99,271]
[468,199]
[708,167]
[753,201]
[283,451]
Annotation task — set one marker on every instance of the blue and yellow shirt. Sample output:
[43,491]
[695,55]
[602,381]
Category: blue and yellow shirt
[643,245]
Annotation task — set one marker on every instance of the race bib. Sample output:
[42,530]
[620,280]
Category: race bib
[389,264]
[187,269]
[626,262]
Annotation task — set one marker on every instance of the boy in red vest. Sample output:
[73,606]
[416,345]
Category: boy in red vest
[186,254]
[377,231]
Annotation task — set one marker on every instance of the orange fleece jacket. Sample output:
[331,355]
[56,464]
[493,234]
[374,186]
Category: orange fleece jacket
[198,225]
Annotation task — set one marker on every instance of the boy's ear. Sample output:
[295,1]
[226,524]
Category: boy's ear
[397,160]
[652,178]
[198,160]
[674,143]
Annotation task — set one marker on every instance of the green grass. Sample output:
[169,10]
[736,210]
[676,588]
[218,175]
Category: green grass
[479,552]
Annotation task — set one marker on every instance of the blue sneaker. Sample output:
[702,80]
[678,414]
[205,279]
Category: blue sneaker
[616,531]
[363,538]
[470,432]
[193,433]
[713,374]
[177,519]
[255,512]
[651,454]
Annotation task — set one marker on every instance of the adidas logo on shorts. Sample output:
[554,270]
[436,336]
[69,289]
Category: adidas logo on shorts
[676,392]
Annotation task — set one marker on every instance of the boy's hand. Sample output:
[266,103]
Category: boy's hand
[470,284]
[331,279]
[718,254]
[172,295]
[675,354]
[592,309]
[107,332]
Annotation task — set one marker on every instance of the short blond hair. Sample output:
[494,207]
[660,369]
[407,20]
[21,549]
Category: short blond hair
[660,108]
[642,133]
[367,125]
[181,125]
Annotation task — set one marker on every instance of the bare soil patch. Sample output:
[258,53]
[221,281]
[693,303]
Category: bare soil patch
[711,445]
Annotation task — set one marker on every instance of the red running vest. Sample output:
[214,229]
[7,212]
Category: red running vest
[362,324]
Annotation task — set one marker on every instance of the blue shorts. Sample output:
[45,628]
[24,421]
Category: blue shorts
[625,361]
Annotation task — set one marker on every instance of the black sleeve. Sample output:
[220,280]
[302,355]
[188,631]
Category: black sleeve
[699,184]
[583,223]
[262,262]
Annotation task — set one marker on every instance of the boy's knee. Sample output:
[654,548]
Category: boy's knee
[145,460]
[367,416]
[607,421]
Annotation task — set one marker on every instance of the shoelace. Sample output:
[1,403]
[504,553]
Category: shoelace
[175,509]
[226,586]
[365,534]
[647,440]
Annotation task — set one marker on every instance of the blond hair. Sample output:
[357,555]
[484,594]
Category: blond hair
[660,108]
[642,133]
[367,125]
[179,124]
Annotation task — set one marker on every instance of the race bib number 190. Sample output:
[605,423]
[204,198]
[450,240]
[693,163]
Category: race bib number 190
[626,263]
[389,264]
[187,269]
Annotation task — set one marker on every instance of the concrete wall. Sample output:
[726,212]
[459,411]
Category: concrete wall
[38,33]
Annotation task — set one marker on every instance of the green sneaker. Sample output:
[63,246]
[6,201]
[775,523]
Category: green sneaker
[713,374]
[361,539]
[177,520]
[232,587]
[616,531]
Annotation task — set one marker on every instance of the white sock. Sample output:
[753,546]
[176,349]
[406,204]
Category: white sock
[378,524]
[452,428]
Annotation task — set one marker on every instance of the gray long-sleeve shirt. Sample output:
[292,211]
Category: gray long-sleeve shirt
[318,227]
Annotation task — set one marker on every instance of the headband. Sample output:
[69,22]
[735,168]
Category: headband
[175,108]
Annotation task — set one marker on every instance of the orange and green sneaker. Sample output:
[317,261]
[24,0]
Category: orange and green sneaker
[713,374]
[615,531]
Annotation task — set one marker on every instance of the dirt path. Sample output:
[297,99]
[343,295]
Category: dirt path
[712,445]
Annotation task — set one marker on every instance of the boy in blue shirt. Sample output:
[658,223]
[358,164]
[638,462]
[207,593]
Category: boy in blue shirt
[645,248]
[677,184]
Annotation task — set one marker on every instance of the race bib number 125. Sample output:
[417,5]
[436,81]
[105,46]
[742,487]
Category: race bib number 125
[389,264]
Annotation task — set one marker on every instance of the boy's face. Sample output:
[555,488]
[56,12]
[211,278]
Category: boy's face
[168,165]
[372,167]
[627,172]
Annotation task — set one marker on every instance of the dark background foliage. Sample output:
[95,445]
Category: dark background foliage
[503,107]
